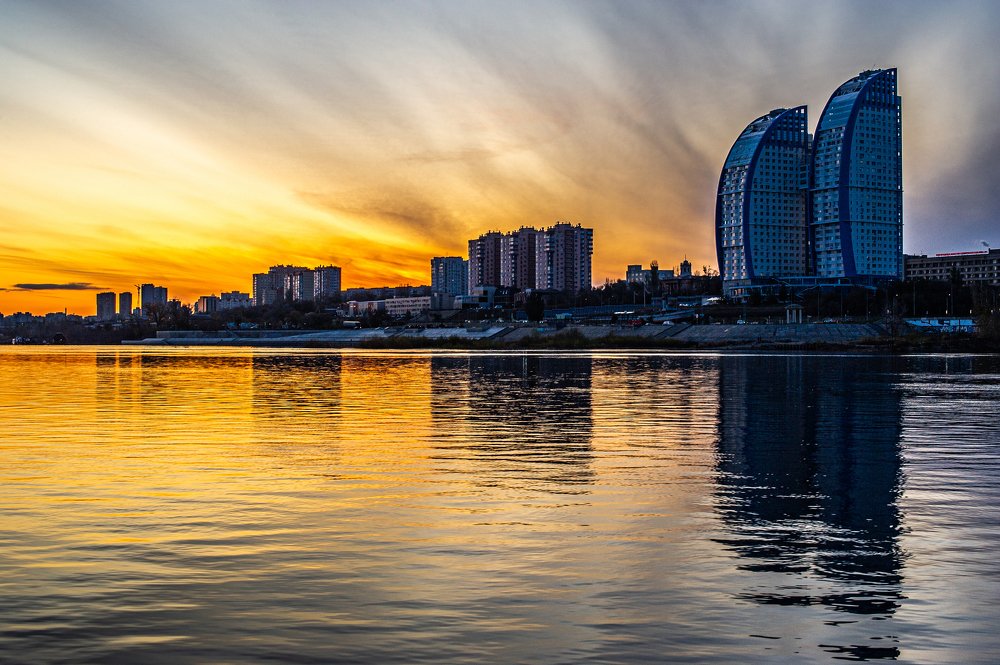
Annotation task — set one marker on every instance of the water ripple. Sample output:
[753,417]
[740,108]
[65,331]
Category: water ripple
[228,505]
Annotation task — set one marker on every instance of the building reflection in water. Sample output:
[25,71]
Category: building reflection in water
[168,389]
[295,398]
[809,478]
[537,410]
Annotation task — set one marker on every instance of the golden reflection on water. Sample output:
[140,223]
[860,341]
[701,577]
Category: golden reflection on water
[163,505]
[229,453]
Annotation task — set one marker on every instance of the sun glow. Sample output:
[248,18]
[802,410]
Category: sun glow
[193,145]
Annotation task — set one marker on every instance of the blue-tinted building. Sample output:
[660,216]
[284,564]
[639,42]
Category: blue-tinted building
[857,180]
[760,213]
[450,275]
[793,211]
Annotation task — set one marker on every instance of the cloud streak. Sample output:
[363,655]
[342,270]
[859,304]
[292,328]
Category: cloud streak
[69,286]
[193,143]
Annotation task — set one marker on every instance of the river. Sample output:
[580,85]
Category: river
[252,506]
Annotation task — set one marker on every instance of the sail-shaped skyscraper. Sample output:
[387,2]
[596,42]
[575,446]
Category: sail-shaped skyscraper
[857,180]
[761,210]
[793,212]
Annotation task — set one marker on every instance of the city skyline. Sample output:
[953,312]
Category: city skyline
[190,143]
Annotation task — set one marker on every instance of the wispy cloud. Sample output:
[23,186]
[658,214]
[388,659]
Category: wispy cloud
[200,142]
[70,286]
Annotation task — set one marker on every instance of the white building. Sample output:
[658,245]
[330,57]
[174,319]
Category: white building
[234,300]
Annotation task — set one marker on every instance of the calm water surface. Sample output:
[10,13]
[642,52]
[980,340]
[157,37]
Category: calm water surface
[238,506]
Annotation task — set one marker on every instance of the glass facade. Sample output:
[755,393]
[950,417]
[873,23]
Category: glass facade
[762,197]
[857,180]
[790,207]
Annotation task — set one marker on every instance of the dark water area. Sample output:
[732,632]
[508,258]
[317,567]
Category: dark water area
[261,506]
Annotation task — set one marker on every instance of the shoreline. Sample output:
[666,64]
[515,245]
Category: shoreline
[866,338]
[885,347]
[861,338]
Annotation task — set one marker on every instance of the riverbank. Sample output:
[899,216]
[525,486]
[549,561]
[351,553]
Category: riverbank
[574,342]
[807,336]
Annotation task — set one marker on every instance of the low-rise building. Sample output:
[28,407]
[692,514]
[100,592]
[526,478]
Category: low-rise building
[234,300]
[638,274]
[20,319]
[220,303]
[397,307]
[981,267]
[385,292]
[488,297]
[363,307]
[394,307]
[206,304]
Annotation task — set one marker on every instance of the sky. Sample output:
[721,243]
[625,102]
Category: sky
[191,144]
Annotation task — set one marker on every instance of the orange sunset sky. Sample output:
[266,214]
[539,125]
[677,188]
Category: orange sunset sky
[191,144]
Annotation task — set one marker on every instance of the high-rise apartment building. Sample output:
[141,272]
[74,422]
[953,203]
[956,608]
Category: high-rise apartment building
[518,258]
[797,211]
[450,274]
[125,304]
[555,258]
[563,259]
[272,287]
[300,285]
[262,290]
[857,180]
[106,306]
[326,282]
[150,294]
[296,283]
[484,260]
